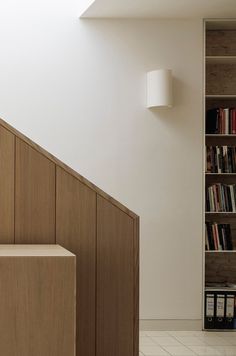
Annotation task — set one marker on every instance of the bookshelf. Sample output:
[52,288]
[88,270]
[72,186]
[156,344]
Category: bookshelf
[220,167]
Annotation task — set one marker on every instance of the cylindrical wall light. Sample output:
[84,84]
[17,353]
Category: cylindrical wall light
[159,88]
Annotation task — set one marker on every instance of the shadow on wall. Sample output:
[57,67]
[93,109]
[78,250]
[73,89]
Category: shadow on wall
[183,95]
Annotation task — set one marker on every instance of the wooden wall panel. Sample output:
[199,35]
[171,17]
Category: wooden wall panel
[37,304]
[136,286]
[34,196]
[76,231]
[7,152]
[55,204]
[115,281]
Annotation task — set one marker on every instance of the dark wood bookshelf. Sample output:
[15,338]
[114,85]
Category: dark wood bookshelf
[220,92]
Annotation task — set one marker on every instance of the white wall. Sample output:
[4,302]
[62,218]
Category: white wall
[77,87]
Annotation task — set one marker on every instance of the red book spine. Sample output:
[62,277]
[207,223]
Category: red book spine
[234,121]
[215,237]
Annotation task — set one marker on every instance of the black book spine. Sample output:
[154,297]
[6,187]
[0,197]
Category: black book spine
[212,121]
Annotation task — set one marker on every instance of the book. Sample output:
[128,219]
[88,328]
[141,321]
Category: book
[220,159]
[221,198]
[218,237]
[221,121]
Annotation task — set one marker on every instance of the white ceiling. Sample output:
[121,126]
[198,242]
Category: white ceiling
[161,9]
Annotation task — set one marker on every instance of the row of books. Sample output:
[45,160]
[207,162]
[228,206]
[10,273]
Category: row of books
[218,237]
[221,198]
[220,159]
[221,121]
[220,308]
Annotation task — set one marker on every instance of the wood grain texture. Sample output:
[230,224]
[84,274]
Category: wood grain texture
[7,154]
[221,43]
[66,168]
[115,281]
[76,231]
[53,203]
[22,250]
[34,196]
[37,306]
[220,267]
[136,285]
[220,79]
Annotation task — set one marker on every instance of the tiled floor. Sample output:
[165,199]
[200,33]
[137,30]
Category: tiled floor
[187,343]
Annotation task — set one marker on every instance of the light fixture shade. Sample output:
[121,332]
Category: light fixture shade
[159,88]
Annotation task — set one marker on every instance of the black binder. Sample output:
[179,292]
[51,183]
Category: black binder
[220,310]
[229,311]
[209,310]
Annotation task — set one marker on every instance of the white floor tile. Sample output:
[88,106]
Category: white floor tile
[216,341]
[226,350]
[223,333]
[187,343]
[205,350]
[142,333]
[166,341]
[206,333]
[153,350]
[191,340]
[145,340]
[230,339]
[185,333]
[179,350]
[157,333]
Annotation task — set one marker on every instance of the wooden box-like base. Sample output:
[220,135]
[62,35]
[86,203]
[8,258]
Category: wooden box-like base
[37,301]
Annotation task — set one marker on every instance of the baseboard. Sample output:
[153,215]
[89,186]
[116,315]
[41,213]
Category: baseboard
[175,324]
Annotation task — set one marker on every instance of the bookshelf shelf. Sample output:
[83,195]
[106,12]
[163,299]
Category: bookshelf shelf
[221,59]
[220,174]
[220,96]
[220,135]
[223,213]
[220,188]
[220,251]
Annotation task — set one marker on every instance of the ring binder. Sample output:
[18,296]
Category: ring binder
[229,316]
[220,311]
[209,311]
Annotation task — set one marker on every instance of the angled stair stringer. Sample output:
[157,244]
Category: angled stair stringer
[44,201]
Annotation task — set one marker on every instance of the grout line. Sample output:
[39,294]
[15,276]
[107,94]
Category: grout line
[166,351]
[182,344]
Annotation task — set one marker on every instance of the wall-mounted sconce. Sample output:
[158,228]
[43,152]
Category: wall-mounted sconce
[159,88]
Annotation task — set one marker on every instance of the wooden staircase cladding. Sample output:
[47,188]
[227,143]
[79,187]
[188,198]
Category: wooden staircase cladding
[66,168]
[44,201]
